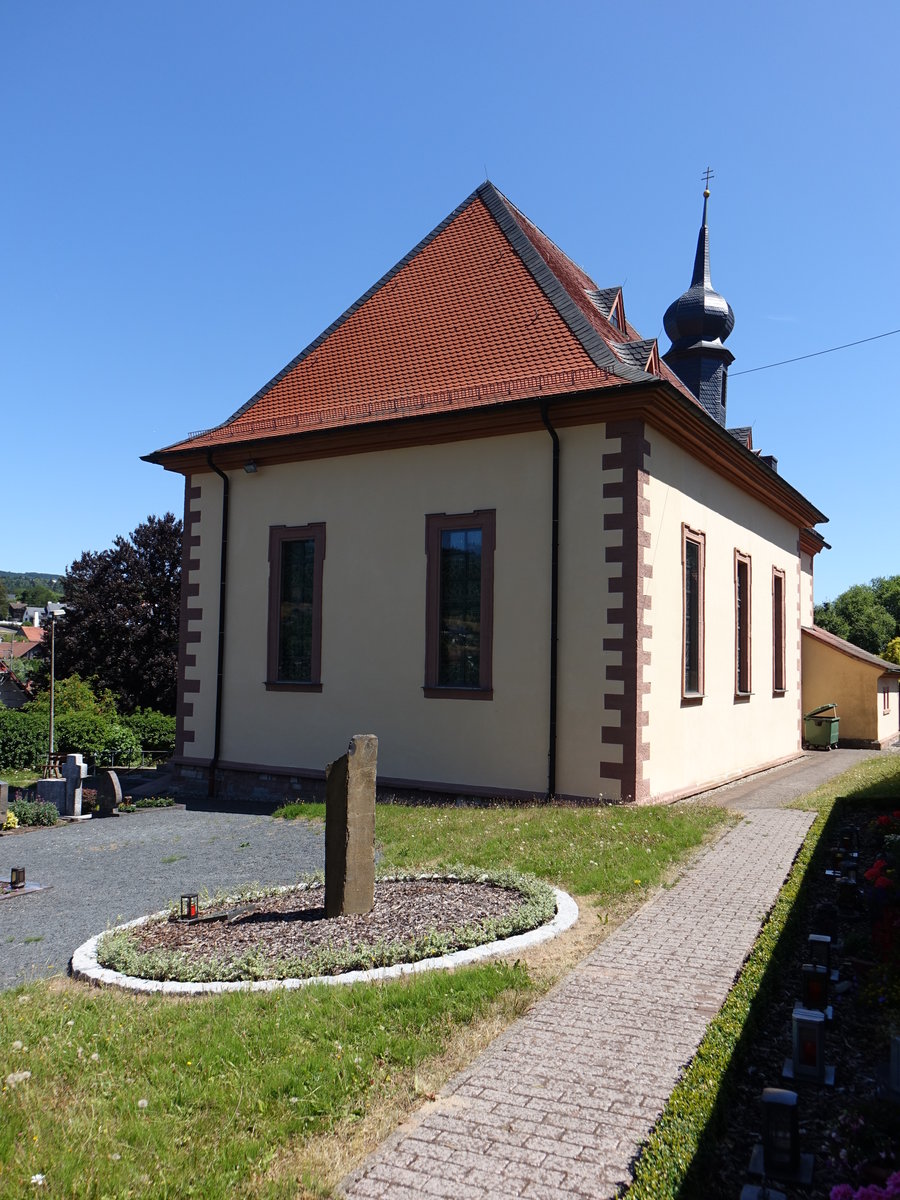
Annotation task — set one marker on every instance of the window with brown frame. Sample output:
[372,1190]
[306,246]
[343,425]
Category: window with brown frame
[741,624]
[886,700]
[296,561]
[778,627]
[459,598]
[693,565]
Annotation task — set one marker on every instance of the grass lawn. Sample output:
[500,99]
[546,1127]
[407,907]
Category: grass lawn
[20,778]
[281,1094]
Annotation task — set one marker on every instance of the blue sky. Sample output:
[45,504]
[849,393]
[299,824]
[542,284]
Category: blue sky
[192,192]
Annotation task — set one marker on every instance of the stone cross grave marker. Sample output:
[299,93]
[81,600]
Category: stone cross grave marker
[350,828]
[73,771]
[109,794]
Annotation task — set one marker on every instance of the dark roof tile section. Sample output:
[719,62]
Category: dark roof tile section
[744,435]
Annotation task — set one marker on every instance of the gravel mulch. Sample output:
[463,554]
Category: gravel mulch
[293,924]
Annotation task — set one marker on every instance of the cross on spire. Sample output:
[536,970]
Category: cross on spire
[707,176]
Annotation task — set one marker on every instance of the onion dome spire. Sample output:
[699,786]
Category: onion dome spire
[698,323]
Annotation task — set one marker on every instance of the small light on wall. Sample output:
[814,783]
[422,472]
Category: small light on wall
[189,905]
[251,467]
[17,877]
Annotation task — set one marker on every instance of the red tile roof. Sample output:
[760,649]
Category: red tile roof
[484,310]
[33,633]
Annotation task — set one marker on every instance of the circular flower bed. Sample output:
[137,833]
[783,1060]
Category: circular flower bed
[282,935]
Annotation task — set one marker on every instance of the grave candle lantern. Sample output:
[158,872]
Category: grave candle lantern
[849,842]
[189,905]
[814,983]
[818,951]
[17,877]
[781,1133]
[807,1060]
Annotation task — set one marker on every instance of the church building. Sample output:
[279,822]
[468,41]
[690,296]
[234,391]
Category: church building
[483,518]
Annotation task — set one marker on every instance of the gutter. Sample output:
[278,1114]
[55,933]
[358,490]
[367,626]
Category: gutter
[554,604]
[220,642]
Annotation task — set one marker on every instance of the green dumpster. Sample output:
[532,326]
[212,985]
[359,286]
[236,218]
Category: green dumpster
[821,732]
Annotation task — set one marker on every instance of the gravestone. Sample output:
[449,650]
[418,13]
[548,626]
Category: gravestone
[109,794]
[52,791]
[4,803]
[73,772]
[350,828]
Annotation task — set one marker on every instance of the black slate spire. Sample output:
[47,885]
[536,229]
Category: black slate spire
[698,323]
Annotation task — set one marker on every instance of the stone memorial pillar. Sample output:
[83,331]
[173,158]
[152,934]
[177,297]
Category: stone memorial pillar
[350,828]
[4,802]
[109,794]
[73,772]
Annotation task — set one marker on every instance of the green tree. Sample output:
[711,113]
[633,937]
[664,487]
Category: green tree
[122,613]
[887,593]
[37,595]
[892,651]
[860,617]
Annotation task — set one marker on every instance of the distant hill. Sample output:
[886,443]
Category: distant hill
[12,582]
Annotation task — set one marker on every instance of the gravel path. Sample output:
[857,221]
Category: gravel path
[103,872]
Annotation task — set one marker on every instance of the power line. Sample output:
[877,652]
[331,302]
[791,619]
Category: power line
[815,354]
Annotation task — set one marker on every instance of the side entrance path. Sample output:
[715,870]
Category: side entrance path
[560,1103]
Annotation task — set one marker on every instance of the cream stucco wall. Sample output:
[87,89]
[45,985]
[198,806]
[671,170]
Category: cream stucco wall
[696,743]
[373,633]
[585,596]
[856,687]
[888,708]
[807,592]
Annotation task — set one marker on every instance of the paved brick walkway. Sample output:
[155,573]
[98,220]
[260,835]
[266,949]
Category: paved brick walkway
[560,1103]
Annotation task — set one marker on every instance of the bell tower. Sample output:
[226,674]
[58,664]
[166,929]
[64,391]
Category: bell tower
[698,323]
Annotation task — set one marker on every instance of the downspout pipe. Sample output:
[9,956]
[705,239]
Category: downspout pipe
[554,603]
[220,645]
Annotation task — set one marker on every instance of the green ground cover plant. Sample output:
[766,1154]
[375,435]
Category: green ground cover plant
[670,1165]
[34,812]
[130,806]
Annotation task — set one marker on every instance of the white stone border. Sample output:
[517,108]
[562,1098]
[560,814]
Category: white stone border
[85,966]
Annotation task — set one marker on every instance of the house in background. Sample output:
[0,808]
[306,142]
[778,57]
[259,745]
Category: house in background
[483,518]
[13,693]
[865,688]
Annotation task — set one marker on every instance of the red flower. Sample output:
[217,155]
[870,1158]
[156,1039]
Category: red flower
[885,821]
[883,882]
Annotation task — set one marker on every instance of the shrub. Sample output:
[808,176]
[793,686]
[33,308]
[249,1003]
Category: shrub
[23,739]
[82,732]
[154,730]
[122,747]
[34,812]
[98,738]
